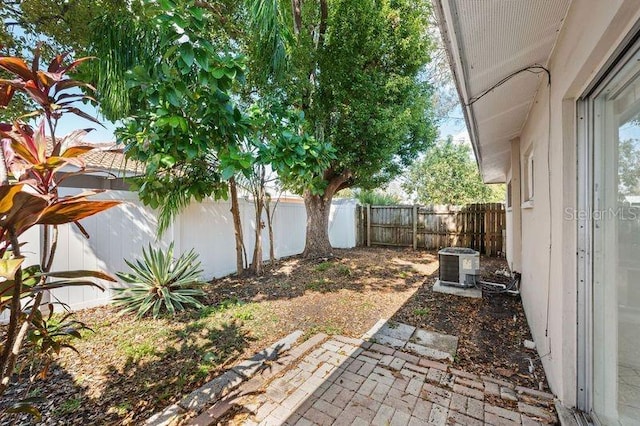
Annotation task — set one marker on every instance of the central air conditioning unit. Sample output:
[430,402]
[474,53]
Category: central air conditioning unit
[459,267]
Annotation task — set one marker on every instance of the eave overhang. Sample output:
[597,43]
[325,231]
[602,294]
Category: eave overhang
[487,41]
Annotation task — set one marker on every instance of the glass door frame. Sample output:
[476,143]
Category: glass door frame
[617,74]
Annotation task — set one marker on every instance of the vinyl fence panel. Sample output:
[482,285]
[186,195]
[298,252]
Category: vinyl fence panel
[121,233]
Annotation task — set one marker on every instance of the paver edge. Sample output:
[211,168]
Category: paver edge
[174,411]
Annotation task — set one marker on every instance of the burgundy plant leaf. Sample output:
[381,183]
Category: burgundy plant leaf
[80,274]
[16,66]
[9,153]
[69,84]
[40,142]
[6,94]
[46,80]
[36,93]
[56,63]
[20,148]
[74,97]
[67,211]
[82,230]
[77,62]
[25,211]
[83,114]
[52,164]
[7,195]
[74,138]
[77,151]
[16,83]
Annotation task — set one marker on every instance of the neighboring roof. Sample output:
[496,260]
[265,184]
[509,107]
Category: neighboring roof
[487,41]
[108,157]
[113,161]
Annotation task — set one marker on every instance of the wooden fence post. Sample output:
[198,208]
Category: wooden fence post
[415,226]
[368,225]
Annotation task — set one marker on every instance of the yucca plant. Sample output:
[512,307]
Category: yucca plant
[159,281]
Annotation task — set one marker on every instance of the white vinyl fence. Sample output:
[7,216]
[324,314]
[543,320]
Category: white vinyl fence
[121,233]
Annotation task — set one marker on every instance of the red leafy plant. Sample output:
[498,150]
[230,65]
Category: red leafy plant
[31,171]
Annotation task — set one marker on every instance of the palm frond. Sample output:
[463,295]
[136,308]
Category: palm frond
[121,41]
[269,24]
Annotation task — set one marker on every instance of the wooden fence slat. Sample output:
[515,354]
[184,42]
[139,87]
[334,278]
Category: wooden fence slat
[368,225]
[477,226]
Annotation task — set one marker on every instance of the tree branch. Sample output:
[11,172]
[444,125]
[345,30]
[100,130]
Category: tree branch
[15,314]
[297,16]
[324,15]
[336,182]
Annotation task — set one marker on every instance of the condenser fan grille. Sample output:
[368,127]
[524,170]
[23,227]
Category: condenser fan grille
[449,268]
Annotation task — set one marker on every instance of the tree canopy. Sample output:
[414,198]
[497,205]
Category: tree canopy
[629,167]
[187,127]
[447,174]
[353,67]
[355,70]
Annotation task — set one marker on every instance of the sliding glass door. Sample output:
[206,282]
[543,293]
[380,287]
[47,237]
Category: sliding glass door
[614,306]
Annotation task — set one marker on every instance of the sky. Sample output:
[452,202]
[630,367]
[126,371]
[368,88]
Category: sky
[71,122]
[455,126]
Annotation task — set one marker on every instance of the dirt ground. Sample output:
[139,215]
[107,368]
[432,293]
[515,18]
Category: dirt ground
[129,369]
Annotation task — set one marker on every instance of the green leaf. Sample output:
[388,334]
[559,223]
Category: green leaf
[202,59]
[186,54]
[174,121]
[230,72]
[197,12]
[191,151]
[228,172]
[9,267]
[167,5]
[173,98]
[218,73]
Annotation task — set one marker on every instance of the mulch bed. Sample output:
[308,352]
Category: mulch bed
[129,369]
[491,330]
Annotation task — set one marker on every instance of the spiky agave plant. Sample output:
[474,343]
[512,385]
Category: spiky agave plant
[158,280]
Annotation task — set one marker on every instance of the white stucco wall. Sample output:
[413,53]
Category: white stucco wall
[592,32]
[514,213]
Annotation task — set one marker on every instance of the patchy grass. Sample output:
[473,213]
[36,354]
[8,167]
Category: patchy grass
[343,270]
[324,266]
[68,406]
[137,351]
[128,369]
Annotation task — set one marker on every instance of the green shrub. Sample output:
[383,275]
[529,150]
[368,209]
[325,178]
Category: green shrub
[159,281]
[377,198]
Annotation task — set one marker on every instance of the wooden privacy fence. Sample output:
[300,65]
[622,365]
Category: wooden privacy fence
[477,226]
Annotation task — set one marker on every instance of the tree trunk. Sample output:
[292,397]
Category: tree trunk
[317,240]
[267,209]
[256,263]
[318,207]
[237,226]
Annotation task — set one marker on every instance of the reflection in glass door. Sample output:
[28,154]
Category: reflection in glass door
[616,250]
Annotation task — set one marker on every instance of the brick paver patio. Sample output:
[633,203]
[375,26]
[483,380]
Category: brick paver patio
[345,381]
